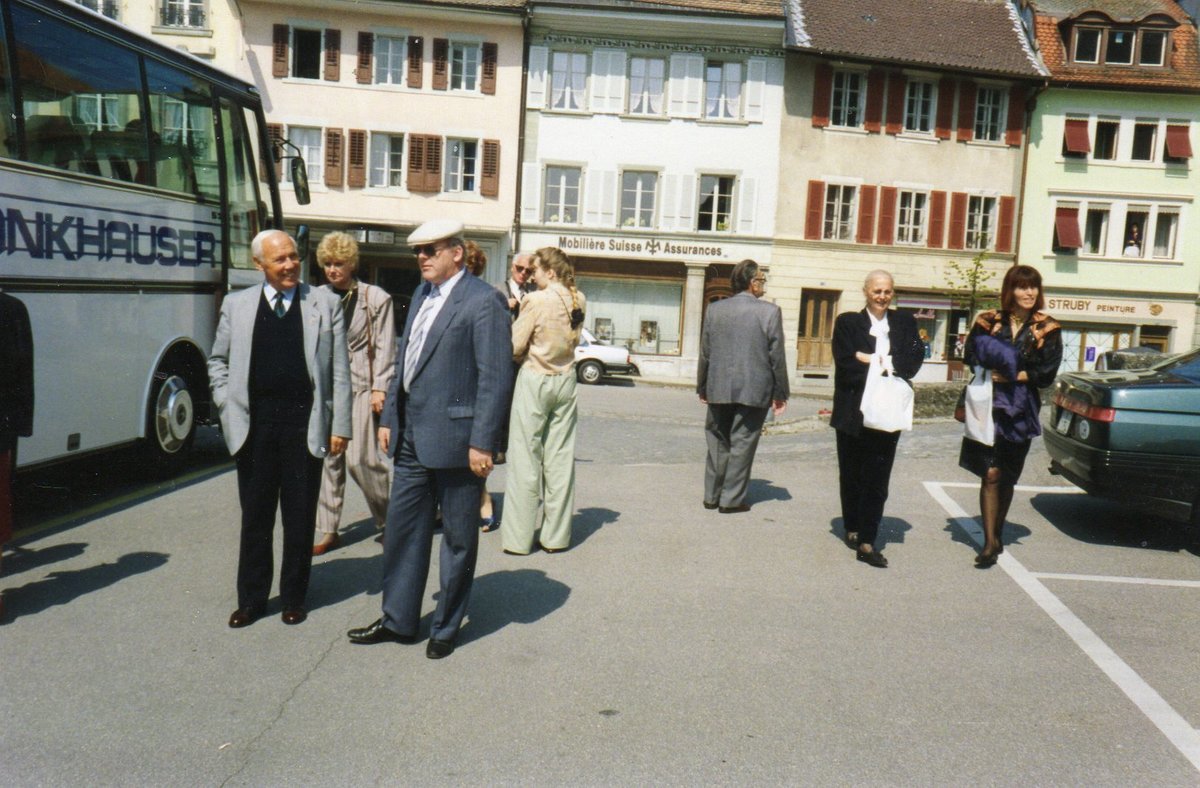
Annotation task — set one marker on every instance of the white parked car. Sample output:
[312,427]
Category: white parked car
[596,360]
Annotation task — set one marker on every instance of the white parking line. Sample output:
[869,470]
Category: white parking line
[1172,725]
[1137,581]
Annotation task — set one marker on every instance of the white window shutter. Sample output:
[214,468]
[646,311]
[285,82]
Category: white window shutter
[616,81]
[531,192]
[687,202]
[687,85]
[670,202]
[608,198]
[747,194]
[598,100]
[592,195]
[756,75]
[535,84]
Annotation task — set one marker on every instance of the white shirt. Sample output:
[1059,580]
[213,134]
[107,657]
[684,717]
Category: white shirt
[883,342]
[434,307]
[270,292]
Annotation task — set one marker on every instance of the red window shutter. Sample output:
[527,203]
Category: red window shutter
[279,50]
[274,137]
[366,55]
[1075,136]
[945,109]
[958,221]
[966,111]
[489,178]
[433,163]
[1178,144]
[416,162]
[416,57]
[815,210]
[937,219]
[866,215]
[487,78]
[356,161]
[1004,225]
[1016,115]
[1066,228]
[333,157]
[874,113]
[333,55]
[887,215]
[822,94]
[441,64]
[895,111]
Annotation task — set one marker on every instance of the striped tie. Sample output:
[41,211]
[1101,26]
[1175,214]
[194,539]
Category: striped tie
[416,339]
[280,308]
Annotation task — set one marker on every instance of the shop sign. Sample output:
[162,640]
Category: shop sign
[381,237]
[1099,307]
[660,248]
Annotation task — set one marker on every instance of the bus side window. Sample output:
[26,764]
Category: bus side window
[8,134]
[53,141]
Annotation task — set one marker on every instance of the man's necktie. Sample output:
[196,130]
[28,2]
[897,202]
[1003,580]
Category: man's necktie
[416,339]
[280,307]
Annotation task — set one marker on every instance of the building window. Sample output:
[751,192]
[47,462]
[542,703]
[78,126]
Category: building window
[637,198]
[1144,136]
[307,53]
[643,315]
[464,66]
[183,13]
[568,80]
[389,60]
[1087,45]
[989,113]
[561,203]
[387,160]
[981,213]
[722,90]
[1119,49]
[1166,226]
[910,220]
[839,212]
[98,112]
[646,79]
[918,106]
[1105,146]
[1154,46]
[460,165]
[106,7]
[1095,231]
[847,98]
[716,203]
[1136,219]
[308,140]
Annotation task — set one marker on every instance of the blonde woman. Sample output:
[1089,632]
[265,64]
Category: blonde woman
[541,439]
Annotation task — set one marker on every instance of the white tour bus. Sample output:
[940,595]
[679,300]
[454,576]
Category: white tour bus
[131,185]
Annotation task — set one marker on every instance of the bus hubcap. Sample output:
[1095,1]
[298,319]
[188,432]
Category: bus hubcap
[173,414]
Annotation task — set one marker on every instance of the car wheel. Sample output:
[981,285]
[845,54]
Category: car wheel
[590,372]
[170,417]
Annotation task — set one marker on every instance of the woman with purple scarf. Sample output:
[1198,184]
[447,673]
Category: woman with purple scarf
[1022,346]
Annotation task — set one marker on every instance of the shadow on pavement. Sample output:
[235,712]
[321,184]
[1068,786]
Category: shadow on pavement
[588,521]
[516,596]
[891,530]
[1013,533]
[339,579]
[1092,520]
[60,588]
[22,559]
[761,490]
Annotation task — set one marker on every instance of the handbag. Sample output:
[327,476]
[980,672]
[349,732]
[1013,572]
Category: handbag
[977,408]
[887,403]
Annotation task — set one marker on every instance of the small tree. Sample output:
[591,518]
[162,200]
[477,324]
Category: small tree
[969,281]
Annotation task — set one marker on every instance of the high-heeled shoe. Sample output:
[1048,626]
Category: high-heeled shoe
[986,559]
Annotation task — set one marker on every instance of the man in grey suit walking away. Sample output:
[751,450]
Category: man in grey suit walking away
[742,372]
[442,422]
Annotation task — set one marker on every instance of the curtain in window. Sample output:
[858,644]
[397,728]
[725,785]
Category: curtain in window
[733,89]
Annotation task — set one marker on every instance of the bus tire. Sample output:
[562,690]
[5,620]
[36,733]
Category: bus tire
[171,417]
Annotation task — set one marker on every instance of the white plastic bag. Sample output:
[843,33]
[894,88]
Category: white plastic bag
[887,403]
[977,403]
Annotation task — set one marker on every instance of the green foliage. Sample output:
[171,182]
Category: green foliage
[971,284]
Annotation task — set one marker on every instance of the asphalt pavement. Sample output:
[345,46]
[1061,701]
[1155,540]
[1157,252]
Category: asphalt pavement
[670,646]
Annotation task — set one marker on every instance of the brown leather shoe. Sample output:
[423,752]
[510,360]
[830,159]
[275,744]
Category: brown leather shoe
[294,615]
[327,545]
[244,617]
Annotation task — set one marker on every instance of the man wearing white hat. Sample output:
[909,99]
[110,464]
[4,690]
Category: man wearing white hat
[442,423]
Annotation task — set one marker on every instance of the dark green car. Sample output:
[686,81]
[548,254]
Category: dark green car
[1132,435]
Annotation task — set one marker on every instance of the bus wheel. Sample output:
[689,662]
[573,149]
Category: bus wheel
[172,417]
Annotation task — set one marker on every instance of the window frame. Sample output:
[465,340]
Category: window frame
[455,46]
[840,226]
[990,116]
[1162,51]
[314,164]
[1133,45]
[1114,144]
[578,97]
[973,233]
[930,111]
[1075,35]
[910,232]
[377,57]
[723,93]
[185,10]
[562,206]
[716,213]
[843,112]
[646,81]
[387,170]
[639,195]
[459,173]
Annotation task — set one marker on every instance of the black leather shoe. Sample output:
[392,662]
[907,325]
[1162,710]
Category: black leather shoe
[872,558]
[986,559]
[439,649]
[245,616]
[745,507]
[378,633]
[710,504]
[294,615]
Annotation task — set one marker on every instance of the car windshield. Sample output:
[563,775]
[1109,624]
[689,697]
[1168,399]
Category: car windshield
[1185,365]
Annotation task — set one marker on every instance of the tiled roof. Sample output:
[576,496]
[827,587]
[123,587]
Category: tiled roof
[1182,71]
[970,35]
[498,5]
[771,9]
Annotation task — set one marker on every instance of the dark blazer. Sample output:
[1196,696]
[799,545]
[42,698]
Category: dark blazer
[742,359]
[851,334]
[462,387]
[16,372]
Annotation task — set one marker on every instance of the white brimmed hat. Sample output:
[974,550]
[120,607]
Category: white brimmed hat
[435,230]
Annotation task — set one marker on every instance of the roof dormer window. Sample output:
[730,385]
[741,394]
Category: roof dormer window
[1154,46]
[1087,45]
[1099,44]
[1119,51]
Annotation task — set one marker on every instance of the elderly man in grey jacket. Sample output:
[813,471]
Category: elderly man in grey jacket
[742,372]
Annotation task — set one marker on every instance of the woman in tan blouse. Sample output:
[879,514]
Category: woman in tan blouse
[541,439]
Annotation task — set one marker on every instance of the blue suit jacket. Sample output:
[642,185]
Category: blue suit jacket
[462,387]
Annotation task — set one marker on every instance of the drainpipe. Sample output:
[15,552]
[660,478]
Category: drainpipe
[1030,105]
[516,220]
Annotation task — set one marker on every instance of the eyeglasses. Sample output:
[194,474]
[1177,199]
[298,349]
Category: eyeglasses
[429,250]
[759,280]
[525,269]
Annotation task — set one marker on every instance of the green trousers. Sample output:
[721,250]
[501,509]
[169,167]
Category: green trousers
[541,462]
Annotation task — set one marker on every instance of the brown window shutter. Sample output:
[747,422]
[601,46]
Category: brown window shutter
[873,117]
[1004,225]
[887,215]
[489,180]
[433,163]
[945,108]
[822,93]
[895,108]
[937,219]
[441,64]
[487,81]
[356,161]
[958,221]
[333,55]
[274,136]
[279,50]
[815,210]
[866,215]
[966,112]
[1016,115]
[416,162]
[416,57]
[366,55]
[333,157]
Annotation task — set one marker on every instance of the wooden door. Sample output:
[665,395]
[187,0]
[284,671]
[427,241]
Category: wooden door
[814,343]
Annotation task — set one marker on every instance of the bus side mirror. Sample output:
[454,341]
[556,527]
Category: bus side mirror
[302,240]
[300,180]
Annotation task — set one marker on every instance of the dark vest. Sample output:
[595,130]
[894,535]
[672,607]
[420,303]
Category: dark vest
[280,391]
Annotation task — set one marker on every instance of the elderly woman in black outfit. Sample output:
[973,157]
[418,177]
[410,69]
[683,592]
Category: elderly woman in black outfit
[1022,346]
[865,455]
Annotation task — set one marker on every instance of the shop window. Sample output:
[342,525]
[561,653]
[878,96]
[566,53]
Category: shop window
[568,80]
[956,336]
[722,90]
[637,198]
[641,315]
[839,212]
[1144,136]
[918,106]
[981,213]
[1154,45]
[307,52]
[846,107]
[989,113]
[716,203]
[390,57]
[1135,224]
[910,219]
[1105,146]
[460,165]
[646,79]
[387,160]
[1095,231]
[1119,48]
[561,202]
[1087,45]
[1166,226]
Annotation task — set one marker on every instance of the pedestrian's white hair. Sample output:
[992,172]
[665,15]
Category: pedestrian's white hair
[256,245]
[878,273]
